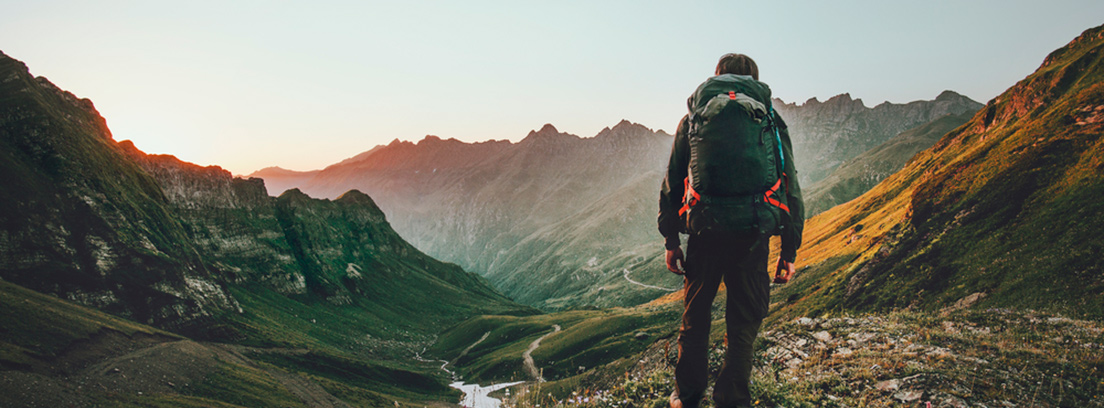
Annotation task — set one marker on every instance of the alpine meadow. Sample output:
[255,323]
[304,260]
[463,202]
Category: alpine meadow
[951,258]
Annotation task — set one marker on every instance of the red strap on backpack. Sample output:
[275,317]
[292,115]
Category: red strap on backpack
[772,201]
[690,198]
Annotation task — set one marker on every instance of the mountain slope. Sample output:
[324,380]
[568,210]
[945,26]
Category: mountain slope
[80,221]
[863,172]
[1008,205]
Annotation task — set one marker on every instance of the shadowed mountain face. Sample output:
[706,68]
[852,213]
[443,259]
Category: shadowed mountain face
[826,134]
[168,243]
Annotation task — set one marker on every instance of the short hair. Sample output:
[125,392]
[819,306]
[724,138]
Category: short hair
[738,64]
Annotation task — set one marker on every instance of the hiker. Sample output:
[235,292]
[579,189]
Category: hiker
[730,184]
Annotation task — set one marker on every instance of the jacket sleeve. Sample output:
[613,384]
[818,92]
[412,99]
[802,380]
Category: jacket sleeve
[791,234]
[672,189]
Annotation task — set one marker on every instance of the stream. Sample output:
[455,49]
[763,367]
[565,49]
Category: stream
[476,396]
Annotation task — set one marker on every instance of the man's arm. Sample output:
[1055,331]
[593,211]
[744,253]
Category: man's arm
[670,198]
[791,234]
[672,189]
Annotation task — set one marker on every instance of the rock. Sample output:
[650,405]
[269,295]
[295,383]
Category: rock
[804,321]
[908,395]
[888,385]
[951,401]
[842,352]
[861,337]
[822,336]
[641,335]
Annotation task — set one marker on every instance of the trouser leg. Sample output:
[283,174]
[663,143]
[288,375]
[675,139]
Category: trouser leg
[692,369]
[733,382]
[747,296]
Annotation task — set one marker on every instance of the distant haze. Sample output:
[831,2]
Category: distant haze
[251,84]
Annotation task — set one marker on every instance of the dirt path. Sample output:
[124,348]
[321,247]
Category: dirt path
[626,270]
[530,366]
[466,350]
[445,363]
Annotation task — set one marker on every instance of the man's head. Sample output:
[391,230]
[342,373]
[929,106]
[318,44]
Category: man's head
[738,64]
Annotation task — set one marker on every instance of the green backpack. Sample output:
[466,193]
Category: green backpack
[736,160]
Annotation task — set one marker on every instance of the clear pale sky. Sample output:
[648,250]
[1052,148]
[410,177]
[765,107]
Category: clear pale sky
[251,84]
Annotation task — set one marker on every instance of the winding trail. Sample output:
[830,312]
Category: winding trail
[626,270]
[466,350]
[530,366]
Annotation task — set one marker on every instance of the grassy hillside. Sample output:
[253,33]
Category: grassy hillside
[590,345]
[55,353]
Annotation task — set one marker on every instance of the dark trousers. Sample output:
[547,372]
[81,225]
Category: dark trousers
[741,263]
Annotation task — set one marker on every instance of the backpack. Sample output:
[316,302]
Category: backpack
[736,164]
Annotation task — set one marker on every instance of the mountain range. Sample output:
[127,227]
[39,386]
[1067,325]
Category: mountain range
[557,221]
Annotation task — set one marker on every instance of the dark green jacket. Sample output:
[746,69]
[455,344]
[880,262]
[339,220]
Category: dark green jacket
[672,191]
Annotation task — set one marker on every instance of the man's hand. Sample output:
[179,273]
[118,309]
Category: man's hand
[675,261]
[782,274]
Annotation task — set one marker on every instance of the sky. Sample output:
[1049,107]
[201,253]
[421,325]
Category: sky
[250,84]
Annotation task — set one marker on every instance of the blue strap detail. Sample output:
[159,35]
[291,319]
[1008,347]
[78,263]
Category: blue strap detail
[778,138]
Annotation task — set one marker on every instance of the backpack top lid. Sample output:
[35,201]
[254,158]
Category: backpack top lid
[725,83]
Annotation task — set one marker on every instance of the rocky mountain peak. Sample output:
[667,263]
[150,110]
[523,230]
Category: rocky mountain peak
[547,134]
[949,95]
[624,129]
[546,130]
[294,194]
[843,99]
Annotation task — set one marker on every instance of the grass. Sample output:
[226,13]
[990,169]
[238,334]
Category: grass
[588,339]
[352,377]
[246,387]
[36,327]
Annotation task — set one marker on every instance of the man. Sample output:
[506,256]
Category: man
[716,252]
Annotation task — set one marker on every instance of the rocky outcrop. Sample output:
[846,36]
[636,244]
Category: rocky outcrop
[79,220]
